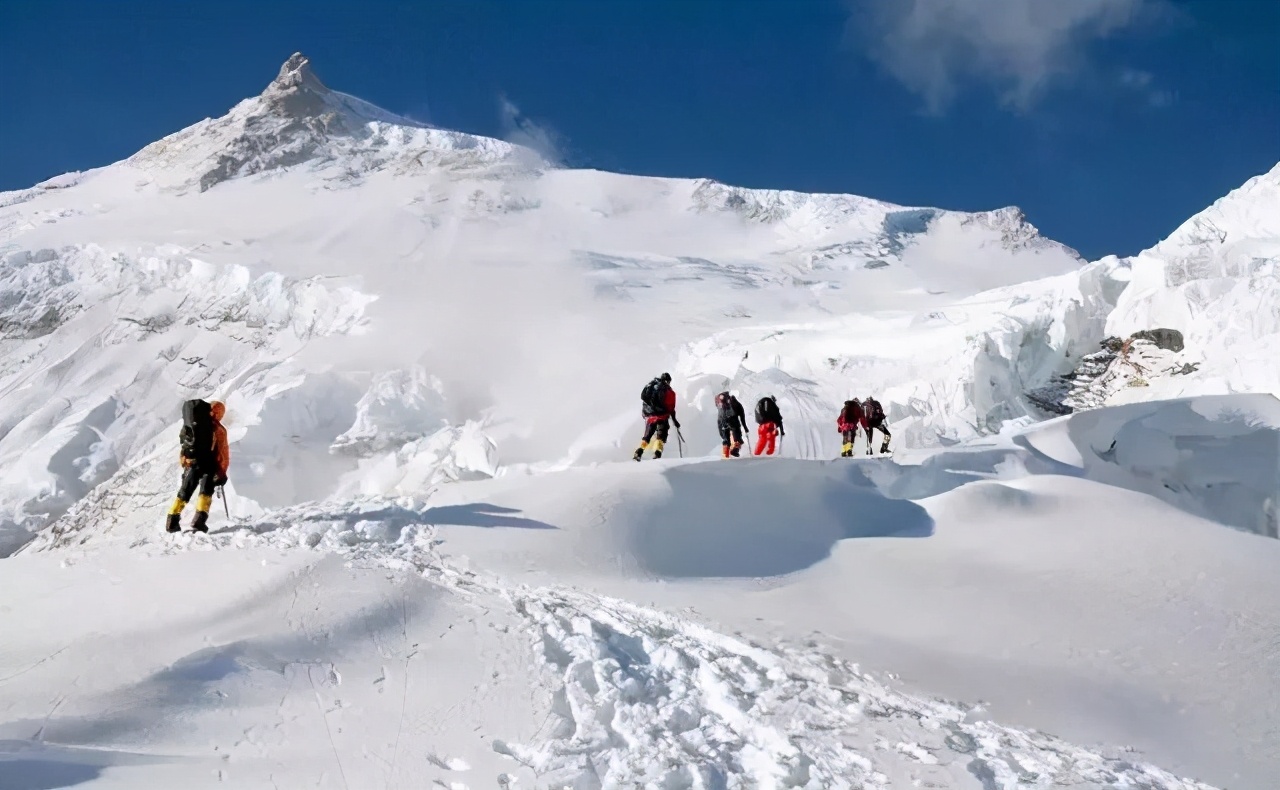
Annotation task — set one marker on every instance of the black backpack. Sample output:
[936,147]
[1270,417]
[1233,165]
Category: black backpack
[852,411]
[654,397]
[196,434]
[873,410]
[767,410]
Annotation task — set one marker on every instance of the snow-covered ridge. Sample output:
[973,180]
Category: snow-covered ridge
[298,121]
[1247,216]
[872,228]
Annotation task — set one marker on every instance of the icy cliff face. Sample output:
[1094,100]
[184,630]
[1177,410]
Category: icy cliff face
[1216,279]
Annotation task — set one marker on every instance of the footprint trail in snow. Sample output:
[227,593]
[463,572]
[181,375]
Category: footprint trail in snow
[644,698]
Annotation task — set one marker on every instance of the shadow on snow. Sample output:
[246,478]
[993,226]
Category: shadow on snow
[765,518]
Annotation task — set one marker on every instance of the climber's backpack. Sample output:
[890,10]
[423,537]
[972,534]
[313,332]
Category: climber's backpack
[196,435]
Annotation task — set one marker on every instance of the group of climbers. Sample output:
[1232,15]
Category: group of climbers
[731,419]
[205,455]
[866,414]
[658,406]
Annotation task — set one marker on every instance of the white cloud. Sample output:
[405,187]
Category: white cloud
[522,130]
[1021,47]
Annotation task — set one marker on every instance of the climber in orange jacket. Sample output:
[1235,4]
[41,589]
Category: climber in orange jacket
[205,457]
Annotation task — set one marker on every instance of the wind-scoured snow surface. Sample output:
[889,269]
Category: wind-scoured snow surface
[440,569]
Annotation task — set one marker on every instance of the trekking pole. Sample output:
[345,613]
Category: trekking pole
[680,441]
[222,492]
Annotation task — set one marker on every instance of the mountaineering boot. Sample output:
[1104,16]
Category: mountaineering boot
[638,453]
[201,522]
[884,448]
[869,451]
[736,452]
[173,523]
[657,454]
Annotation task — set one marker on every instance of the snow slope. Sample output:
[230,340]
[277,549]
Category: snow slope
[387,239]
[431,344]
[618,587]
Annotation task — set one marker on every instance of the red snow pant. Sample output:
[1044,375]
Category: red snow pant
[768,438]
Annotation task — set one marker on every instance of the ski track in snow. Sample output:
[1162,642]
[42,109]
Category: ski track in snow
[646,698]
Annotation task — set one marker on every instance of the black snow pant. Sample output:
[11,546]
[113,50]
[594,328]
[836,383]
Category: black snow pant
[878,425]
[730,436]
[194,477]
[661,429]
[655,435]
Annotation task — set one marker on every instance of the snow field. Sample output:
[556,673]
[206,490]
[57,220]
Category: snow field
[934,568]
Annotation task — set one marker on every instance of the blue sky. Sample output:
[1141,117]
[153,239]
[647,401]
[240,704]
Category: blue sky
[1108,121]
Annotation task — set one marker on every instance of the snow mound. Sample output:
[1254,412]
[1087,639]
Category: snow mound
[1215,457]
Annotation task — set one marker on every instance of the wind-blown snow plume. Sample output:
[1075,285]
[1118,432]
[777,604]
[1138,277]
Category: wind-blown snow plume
[524,131]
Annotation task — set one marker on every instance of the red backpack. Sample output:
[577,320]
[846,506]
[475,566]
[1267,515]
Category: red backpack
[852,412]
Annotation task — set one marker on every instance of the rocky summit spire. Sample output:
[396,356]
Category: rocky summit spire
[296,73]
[296,91]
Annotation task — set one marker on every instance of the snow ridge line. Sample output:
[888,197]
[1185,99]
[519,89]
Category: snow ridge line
[650,699]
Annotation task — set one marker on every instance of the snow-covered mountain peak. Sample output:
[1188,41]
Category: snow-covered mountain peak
[298,121]
[296,73]
[297,93]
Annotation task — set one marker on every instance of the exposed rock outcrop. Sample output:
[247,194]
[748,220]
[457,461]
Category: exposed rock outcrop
[1117,364]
